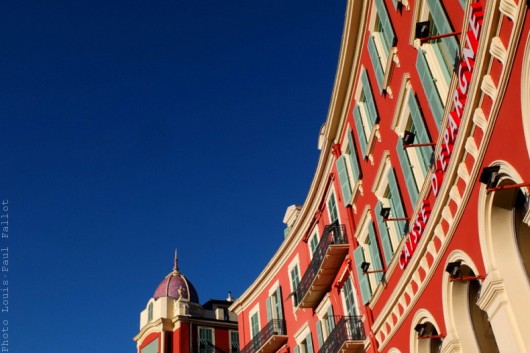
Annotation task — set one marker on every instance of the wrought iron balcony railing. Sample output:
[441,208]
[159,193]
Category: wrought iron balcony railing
[334,234]
[347,336]
[269,337]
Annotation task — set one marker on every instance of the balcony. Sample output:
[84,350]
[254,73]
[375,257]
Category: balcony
[326,262]
[268,340]
[347,336]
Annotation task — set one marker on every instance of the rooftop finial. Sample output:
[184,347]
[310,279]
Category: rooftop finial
[176,262]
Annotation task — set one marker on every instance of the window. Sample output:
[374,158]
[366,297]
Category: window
[349,298]
[234,342]
[332,208]
[348,169]
[294,276]
[206,344]
[380,43]
[436,58]
[152,347]
[367,251]
[313,243]
[415,161]
[274,305]
[391,231]
[325,325]
[254,324]
[365,114]
[150,312]
[305,346]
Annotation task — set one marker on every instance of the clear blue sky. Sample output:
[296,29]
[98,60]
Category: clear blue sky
[129,128]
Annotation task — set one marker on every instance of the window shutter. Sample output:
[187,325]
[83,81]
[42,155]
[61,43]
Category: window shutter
[383,233]
[376,63]
[422,135]
[443,25]
[374,253]
[395,3]
[388,32]
[360,130]
[429,86]
[366,291]
[296,349]
[320,338]
[397,205]
[269,309]
[331,319]
[406,167]
[353,157]
[344,180]
[309,343]
[372,112]
[279,303]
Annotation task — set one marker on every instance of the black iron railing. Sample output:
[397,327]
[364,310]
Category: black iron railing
[334,233]
[273,328]
[347,328]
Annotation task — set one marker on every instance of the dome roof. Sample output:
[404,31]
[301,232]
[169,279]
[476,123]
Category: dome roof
[176,285]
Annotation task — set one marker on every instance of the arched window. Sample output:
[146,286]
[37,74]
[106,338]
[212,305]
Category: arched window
[150,312]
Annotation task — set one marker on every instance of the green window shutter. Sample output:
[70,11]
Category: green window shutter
[269,309]
[388,32]
[344,180]
[279,303]
[151,347]
[309,343]
[376,63]
[395,3]
[320,338]
[366,291]
[353,157]
[372,112]
[388,252]
[331,319]
[431,91]
[297,349]
[422,136]
[443,26]
[406,167]
[397,205]
[360,130]
[374,252]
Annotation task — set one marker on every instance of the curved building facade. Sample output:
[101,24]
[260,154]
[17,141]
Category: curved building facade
[414,236]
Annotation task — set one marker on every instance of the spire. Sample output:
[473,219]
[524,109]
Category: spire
[176,262]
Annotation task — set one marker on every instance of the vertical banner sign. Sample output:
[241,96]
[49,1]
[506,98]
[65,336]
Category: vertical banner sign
[465,71]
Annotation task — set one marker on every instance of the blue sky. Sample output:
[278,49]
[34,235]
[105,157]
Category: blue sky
[130,128]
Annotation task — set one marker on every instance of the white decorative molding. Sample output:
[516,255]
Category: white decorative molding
[498,50]
[509,8]
[463,172]
[479,119]
[488,87]
[471,147]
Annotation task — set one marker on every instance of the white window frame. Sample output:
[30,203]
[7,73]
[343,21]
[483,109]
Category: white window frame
[363,236]
[371,132]
[251,313]
[301,339]
[211,329]
[380,189]
[294,263]
[403,121]
[351,152]
[386,59]
[272,295]
[333,194]
[322,315]
[315,237]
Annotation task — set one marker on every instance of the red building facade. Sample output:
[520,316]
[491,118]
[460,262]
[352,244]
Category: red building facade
[414,236]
